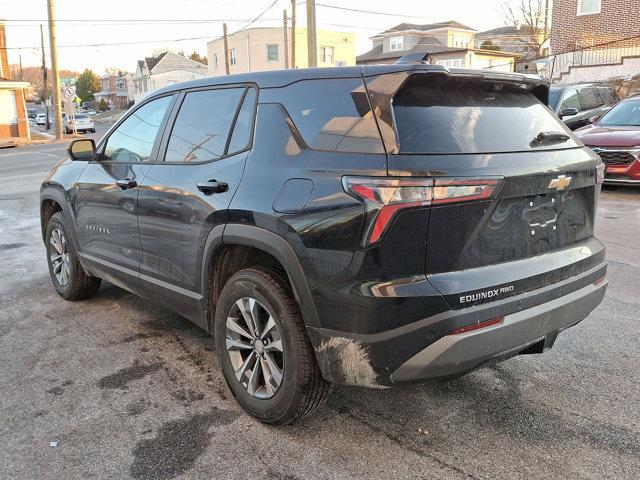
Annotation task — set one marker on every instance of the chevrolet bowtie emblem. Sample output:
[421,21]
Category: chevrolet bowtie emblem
[560,183]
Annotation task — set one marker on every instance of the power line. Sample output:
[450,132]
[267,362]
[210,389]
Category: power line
[257,18]
[141,42]
[372,12]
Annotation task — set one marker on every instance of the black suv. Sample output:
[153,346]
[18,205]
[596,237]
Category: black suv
[362,225]
[582,103]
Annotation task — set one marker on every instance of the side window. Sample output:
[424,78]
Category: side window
[133,140]
[202,125]
[241,136]
[590,98]
[333,115]
[570,100]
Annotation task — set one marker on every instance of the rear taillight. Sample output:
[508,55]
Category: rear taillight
[385,197]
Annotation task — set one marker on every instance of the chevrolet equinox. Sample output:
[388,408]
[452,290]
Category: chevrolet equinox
[368,225]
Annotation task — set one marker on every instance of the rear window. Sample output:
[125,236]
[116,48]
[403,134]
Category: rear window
[81,117]
[447,115]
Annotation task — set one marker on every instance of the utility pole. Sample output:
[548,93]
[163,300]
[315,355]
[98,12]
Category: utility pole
[45,97]
[312,44]
[226,48]
[285,22]
[55,84]
[546,20]
[293,33]
[20,60]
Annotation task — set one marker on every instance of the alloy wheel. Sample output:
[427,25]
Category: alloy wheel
[254,345]
[59,256]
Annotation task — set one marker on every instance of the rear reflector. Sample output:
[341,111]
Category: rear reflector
[477,326]
[598,281]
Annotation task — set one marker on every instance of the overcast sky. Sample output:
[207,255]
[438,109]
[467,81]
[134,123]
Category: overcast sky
[118,21]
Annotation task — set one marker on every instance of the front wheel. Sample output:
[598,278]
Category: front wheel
[67,275]
[265,354]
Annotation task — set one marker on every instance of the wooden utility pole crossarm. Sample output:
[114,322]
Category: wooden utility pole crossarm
[57,108]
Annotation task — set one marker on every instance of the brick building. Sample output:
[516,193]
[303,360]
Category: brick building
[14,124]
[583,23]
[594,40]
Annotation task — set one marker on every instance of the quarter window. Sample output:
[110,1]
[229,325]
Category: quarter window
[272,53]
[133,140]
[241,136]
[202,126]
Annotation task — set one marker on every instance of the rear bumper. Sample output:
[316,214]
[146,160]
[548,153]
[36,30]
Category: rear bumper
[455,355]
[423,351]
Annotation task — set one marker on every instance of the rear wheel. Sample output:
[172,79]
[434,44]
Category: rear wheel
[67,275]
[266,357]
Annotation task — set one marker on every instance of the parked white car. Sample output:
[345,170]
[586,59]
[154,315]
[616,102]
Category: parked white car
[81,122]
[41,119]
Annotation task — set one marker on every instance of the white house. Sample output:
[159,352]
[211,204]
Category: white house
[168,68]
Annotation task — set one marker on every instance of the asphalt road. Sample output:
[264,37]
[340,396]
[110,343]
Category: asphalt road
[115,387]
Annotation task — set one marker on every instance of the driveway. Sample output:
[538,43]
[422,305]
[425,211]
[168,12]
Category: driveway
[115,387]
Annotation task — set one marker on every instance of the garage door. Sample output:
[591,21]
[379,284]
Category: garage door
[8,110]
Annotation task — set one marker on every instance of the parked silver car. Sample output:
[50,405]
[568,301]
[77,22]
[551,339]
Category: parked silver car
[41,119]
[81,122]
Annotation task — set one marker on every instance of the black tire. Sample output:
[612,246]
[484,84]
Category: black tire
[93,130]
[302,389]
[79,285]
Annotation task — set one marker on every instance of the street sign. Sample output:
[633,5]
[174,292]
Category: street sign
[69,93]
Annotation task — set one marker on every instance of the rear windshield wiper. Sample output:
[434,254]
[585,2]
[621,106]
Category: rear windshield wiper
[550,137]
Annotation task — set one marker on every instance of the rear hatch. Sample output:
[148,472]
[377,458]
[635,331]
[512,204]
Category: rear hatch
[497,131]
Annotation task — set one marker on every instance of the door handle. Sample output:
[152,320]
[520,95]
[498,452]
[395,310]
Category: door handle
[212,186]
[126,183]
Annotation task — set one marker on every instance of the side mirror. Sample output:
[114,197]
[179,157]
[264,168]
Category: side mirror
[594,119]
[568,112]
[82,149]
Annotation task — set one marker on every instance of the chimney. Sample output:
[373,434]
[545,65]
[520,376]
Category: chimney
[4,62]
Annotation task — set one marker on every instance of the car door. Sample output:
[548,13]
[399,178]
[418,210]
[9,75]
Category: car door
[186,194]
[592,104]
[105,199]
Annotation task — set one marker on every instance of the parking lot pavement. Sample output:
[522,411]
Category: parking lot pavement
[115,387]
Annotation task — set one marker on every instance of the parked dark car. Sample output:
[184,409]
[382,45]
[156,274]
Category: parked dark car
[368,225]
[576,104]
[616,138]
[32,113]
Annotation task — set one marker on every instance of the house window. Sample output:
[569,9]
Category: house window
[453,63]
[232,56]
[396,43]
[326,54]
[272,53]
[460,40]
[215,61]
[589,7]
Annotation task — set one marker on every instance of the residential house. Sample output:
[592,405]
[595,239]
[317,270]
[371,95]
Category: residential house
[14,124]
[168,68]
[527,42]
[259,49]
[114,90]
[450,44]
[594,40]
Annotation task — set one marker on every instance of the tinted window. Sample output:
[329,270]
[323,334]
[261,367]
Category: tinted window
[608,95]
[133,140]
[623,114]
[202,126]
[570,100]
[81,117]
[333,115]
[590,98]
[241,136]
[443,115]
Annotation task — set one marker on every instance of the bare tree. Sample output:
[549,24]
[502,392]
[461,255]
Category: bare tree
[529,17]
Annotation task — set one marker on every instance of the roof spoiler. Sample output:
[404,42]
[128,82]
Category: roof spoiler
[417,57]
